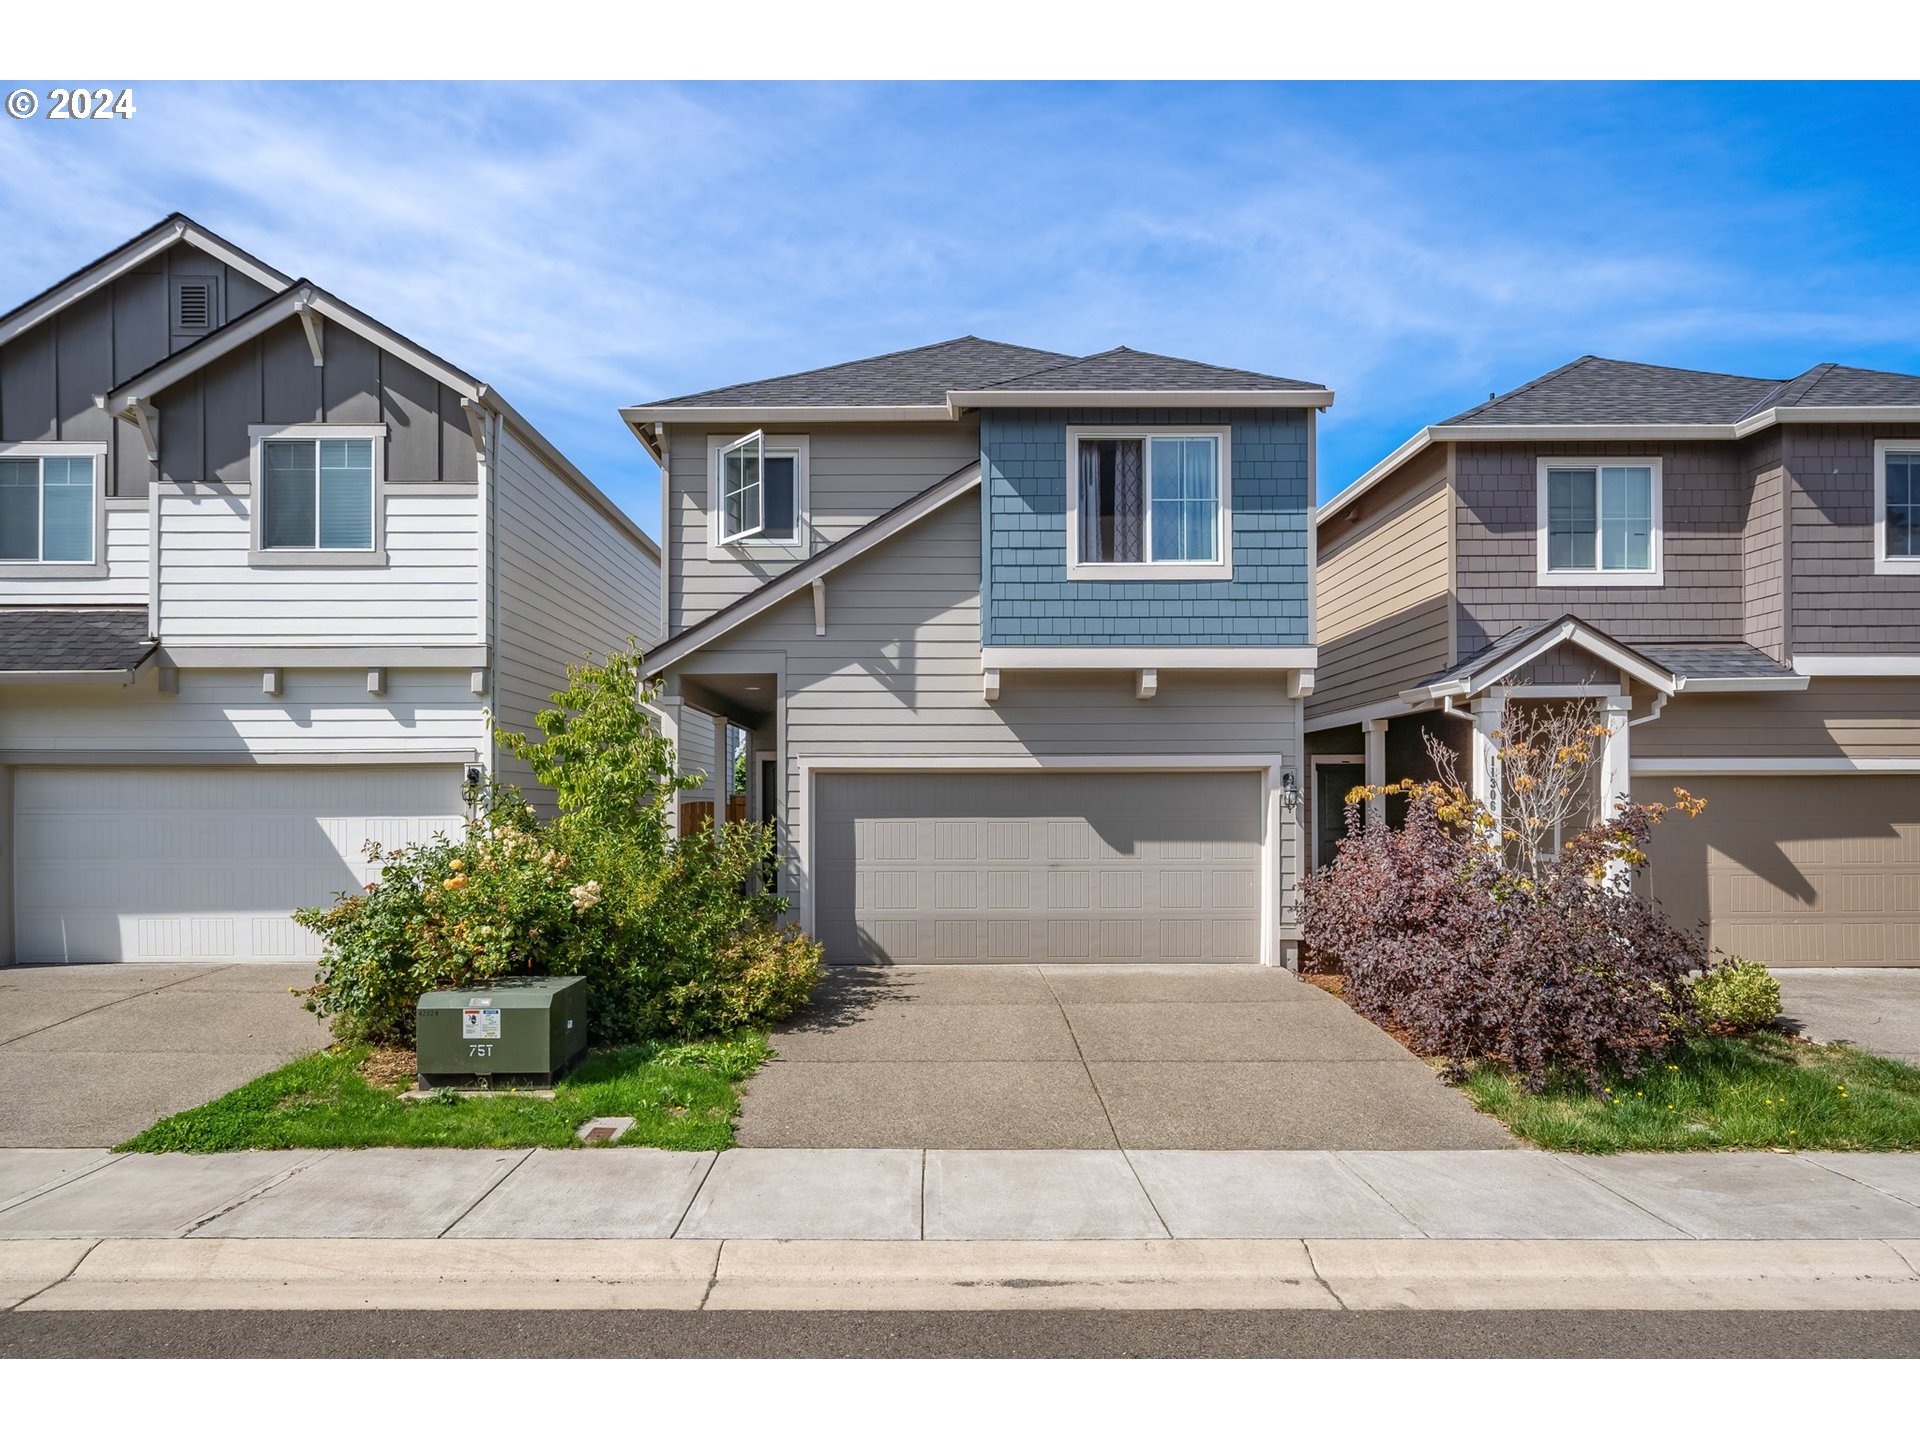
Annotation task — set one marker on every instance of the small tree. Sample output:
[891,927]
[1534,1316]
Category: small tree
[1546,765]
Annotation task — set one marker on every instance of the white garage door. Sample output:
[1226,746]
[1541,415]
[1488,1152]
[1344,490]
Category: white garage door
[203,864]
[1020,868]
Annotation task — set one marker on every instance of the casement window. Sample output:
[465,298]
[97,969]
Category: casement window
[1599,522]
[51,509]
[317,494]
[1148,504]
[1896,507]
[759,486]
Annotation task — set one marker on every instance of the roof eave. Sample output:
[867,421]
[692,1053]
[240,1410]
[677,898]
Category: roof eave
[1407,449]
[958,400]
[637,415]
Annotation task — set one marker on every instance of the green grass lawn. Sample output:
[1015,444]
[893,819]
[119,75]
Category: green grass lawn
[1754,1092]
[682,1097]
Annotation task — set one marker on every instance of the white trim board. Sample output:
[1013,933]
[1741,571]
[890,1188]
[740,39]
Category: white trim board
[1158,657]
[1272,817]
[1220,568]
[1597,578]
[1858,667]
[1776,765]
[1883,563]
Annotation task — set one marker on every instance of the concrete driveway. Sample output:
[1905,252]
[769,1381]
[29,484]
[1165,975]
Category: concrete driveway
[93,1054]
[1876,1010]
[1096,1057]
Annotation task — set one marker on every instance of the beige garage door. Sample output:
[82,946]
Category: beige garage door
[1004,868]
[1808,870]
[179,863]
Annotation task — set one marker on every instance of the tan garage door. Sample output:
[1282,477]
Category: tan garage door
[1795,870]
[1001,868]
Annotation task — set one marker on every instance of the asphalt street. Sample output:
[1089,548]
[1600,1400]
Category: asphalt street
[920,1334]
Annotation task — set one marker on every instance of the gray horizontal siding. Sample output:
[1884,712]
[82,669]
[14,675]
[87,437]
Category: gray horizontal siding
[857,472]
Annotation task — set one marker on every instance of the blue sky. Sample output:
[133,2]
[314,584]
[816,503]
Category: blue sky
[1415,247]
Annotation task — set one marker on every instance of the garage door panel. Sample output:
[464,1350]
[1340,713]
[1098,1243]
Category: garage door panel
[920,868]
[1796,870]
[204,864]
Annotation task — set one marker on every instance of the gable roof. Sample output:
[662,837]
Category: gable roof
[1122,369]
[937,382]
[921,376]
[1522,646]
[174,230]
[817,567]
[1598,399]
[129,398]
[74,642]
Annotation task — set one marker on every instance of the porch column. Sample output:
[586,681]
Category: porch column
[1616,782]
[1376,756]
[666,711]
[1487,711]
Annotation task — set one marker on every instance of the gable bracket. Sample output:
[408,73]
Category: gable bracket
[310,322]
[146,420]
[476,422]
[990,684]
[1148,684]
[819,607]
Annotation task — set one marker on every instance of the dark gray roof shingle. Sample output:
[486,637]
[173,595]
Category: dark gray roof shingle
[1124,369]
[1594,391]
[921,376]
[1715,660]
[79,639]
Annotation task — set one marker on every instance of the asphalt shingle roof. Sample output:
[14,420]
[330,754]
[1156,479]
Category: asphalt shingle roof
[925,375]
[1596,391]
[1715,660]
[1124,369]
[79,639]
[922,376]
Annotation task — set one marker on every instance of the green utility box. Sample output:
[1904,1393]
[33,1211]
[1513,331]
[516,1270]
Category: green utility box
[517,1030]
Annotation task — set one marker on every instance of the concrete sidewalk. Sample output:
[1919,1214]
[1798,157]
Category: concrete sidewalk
[960,1195]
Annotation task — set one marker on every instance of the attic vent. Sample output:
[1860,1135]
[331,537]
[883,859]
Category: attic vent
[195,306]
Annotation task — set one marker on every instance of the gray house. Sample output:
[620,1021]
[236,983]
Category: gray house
[1729,567]
[269,573]
[1011,645]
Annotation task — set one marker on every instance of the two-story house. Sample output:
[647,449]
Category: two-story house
[1012,644]
[1727,567]
[269,572]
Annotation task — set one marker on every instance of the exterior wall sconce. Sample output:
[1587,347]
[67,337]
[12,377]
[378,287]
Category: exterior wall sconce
[1290,790]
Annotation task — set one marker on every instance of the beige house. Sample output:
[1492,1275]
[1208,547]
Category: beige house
[1728,567]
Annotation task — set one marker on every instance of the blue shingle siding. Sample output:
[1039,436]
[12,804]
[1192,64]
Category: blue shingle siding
[1030,601]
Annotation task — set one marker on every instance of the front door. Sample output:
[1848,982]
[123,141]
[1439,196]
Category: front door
[1331,784]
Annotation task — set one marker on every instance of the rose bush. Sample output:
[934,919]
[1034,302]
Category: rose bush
[1566,968]
[674,934]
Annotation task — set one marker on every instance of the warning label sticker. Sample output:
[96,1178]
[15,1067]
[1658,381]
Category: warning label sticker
[479,1024]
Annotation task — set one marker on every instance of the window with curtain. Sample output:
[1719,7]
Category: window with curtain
[1600,518]
[1902,527]
[47,509]
[316,494]
[1149,499]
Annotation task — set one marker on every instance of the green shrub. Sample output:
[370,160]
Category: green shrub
[1737,995]
[674,934]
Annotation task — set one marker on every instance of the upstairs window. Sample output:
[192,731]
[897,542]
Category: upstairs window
[317,494]
[1147,504]
[1599,522]
[48,509]
[1896,484]
[759,482]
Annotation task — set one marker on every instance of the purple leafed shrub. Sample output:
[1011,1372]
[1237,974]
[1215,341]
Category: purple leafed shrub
[1569,971]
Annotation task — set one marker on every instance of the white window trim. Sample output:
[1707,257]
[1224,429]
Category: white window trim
[95,569]
[279,557]
[1598,578]
[1221,569]
[800,546]
[1883,563]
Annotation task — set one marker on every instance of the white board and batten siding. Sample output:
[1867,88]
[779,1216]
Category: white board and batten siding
[570,584]
[896,681]
[427,593]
